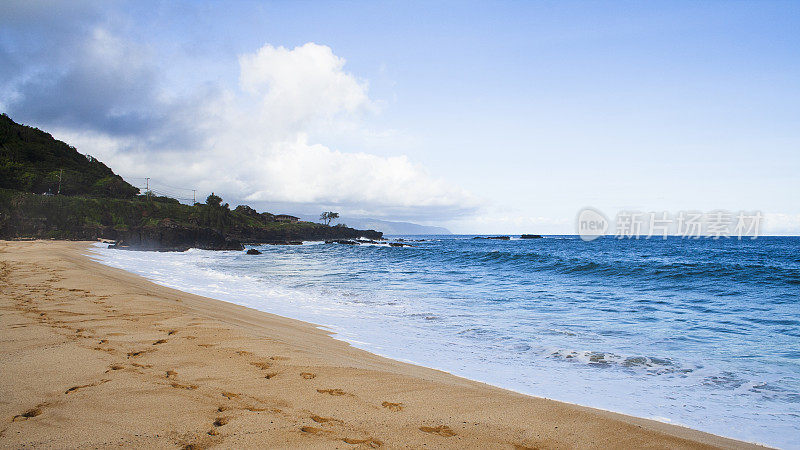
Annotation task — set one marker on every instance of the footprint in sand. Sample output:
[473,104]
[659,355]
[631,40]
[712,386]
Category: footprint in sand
[392,406]
[441,430]
[261,365]
[171,374]
[270,375]
[308,375]
[221,421]
[279,358]
[75,388]
[325,420]
[83,386]
[29,413]
[244,353]
[369,442]
[160,341]
[314,430]
[218,422]
[230,395]
[335,392]
[188,387]
[259,409]
[115,367]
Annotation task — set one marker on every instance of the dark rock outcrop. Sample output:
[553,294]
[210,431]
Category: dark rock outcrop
[367,241]
[498,238]
[167,236]
[298,233]
[341,241]
[531,236]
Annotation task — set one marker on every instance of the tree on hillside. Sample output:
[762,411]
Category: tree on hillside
[216,214]
[213,200]
[327,216]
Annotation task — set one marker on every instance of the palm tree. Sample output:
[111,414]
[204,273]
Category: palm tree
[327,216]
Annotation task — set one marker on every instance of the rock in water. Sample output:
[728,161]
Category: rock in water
[531,236]
[341,241]
[252,251]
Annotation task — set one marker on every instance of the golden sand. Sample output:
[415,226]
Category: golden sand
[94,356]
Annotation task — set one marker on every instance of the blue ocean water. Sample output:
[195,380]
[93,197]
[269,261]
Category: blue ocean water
[703,333]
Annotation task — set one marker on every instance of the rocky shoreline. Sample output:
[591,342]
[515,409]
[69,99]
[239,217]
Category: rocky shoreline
[170,236]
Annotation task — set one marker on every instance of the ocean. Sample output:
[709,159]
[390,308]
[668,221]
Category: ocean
[703,333]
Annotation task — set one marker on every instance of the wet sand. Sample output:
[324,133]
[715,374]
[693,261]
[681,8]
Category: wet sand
[97,357]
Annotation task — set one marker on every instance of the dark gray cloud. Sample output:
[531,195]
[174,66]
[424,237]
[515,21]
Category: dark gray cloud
[61,66]
[92,94]
[7,64]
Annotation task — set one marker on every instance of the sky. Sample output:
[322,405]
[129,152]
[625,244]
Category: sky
[483,117]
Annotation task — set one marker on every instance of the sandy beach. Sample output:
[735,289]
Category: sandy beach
[96,357]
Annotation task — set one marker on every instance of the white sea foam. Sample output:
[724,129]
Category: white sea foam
[470,326]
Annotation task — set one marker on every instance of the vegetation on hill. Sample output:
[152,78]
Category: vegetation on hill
[33,161]
[96,203]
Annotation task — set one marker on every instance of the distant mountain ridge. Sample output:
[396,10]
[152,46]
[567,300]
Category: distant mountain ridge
[387,226]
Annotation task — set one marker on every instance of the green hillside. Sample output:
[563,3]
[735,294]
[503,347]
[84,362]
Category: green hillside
[33,161]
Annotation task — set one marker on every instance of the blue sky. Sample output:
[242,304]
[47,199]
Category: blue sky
[500,117]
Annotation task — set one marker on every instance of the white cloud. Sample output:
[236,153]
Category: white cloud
[252,143]
[299,171]
[303,84]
